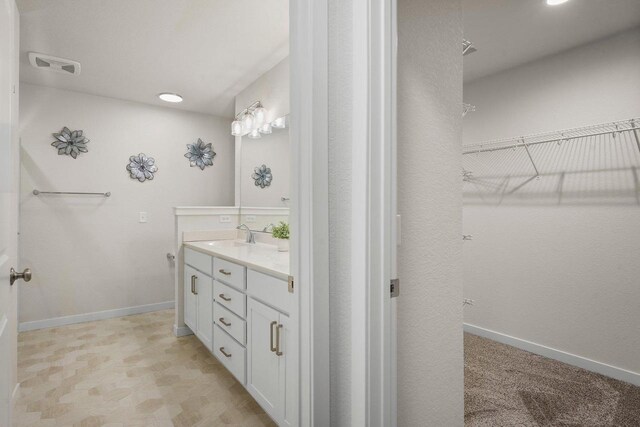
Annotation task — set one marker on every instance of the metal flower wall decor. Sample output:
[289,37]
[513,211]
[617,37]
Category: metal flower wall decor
[200,154]
[142,167]
[70,143]
[262,176]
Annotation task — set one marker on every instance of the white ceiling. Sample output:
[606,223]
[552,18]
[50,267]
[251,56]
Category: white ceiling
[508,33]
[205,50]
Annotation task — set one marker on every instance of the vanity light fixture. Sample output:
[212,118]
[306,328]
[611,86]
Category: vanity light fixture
[236,128]
[254,134]
[248,122]
[279,123]
[265,129]
[556,2]
[170,97]
[260,116]
[252,121]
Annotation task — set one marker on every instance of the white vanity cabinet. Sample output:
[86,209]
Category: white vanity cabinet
[244,318]
[269,335]
[198,309]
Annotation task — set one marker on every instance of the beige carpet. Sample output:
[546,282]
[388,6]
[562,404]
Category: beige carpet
[129,371]
[505,386]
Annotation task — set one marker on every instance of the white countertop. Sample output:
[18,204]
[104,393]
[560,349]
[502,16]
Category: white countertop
[256,256]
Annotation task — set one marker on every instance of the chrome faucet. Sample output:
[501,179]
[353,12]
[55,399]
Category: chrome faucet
[250,236]
[266,229]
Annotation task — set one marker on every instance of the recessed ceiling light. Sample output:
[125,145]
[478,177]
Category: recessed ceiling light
[556,2]
[170,97]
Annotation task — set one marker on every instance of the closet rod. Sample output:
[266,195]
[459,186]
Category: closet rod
[38,192]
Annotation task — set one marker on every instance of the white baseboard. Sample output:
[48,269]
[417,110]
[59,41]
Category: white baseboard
[562,356]
[181,331]
[89,317]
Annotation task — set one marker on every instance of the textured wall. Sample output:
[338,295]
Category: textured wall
[340,131]
[88,253]
[587,85]
[560,275]
[430,352]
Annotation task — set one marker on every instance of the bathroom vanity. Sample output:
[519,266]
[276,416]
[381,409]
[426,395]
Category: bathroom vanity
[238,302]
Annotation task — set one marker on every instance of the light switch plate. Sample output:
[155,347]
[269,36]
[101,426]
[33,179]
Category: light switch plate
[225,218]
[250,218]
[142,217]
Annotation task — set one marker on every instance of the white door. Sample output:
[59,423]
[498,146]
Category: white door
[204,293]
[190,298]
[9,169]
[263,364]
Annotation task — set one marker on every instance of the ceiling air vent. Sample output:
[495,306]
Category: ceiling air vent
[59,65]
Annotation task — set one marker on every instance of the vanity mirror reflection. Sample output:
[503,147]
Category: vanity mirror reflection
[264,176]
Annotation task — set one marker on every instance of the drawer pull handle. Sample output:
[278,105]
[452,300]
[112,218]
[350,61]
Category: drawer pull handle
[193,284]
[273,348]
[225,272]
[224,298]
[223,322]
[278,352]
[224,352]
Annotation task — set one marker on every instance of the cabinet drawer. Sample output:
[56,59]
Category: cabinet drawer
[274,292]
[230,298]
[198,260]
[229,273]
[232,324]
[230,353]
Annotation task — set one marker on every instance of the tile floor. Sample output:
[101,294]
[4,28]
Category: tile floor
[129,371]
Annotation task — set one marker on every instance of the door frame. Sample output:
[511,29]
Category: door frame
[309,203]
[374,221]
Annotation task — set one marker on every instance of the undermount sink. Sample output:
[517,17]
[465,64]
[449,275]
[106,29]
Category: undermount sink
[228,243]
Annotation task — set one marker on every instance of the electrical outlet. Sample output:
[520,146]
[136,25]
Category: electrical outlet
[250,218]
[225,218]
[142,217]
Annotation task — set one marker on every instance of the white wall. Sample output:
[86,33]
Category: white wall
[430,349]
[340,117]
[90,254]
[588,85]
[560,275]
[272,89]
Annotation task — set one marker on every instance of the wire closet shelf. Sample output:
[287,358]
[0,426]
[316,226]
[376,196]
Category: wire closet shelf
[601,160]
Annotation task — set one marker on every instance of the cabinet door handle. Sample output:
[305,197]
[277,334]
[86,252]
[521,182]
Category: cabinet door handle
[225,272]
[193,284]
[224,352]
[278,352]
[223,322]
[273,348]
[224,298]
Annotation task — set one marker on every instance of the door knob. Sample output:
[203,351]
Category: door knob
[25,275]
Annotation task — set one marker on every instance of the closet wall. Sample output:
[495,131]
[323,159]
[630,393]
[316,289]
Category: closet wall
[562,274]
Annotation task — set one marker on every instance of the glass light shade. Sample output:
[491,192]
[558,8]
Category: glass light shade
[248,122]
[265,129]
[260,116]
[254,134]
[279,123]
[556,2]
[236,128]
